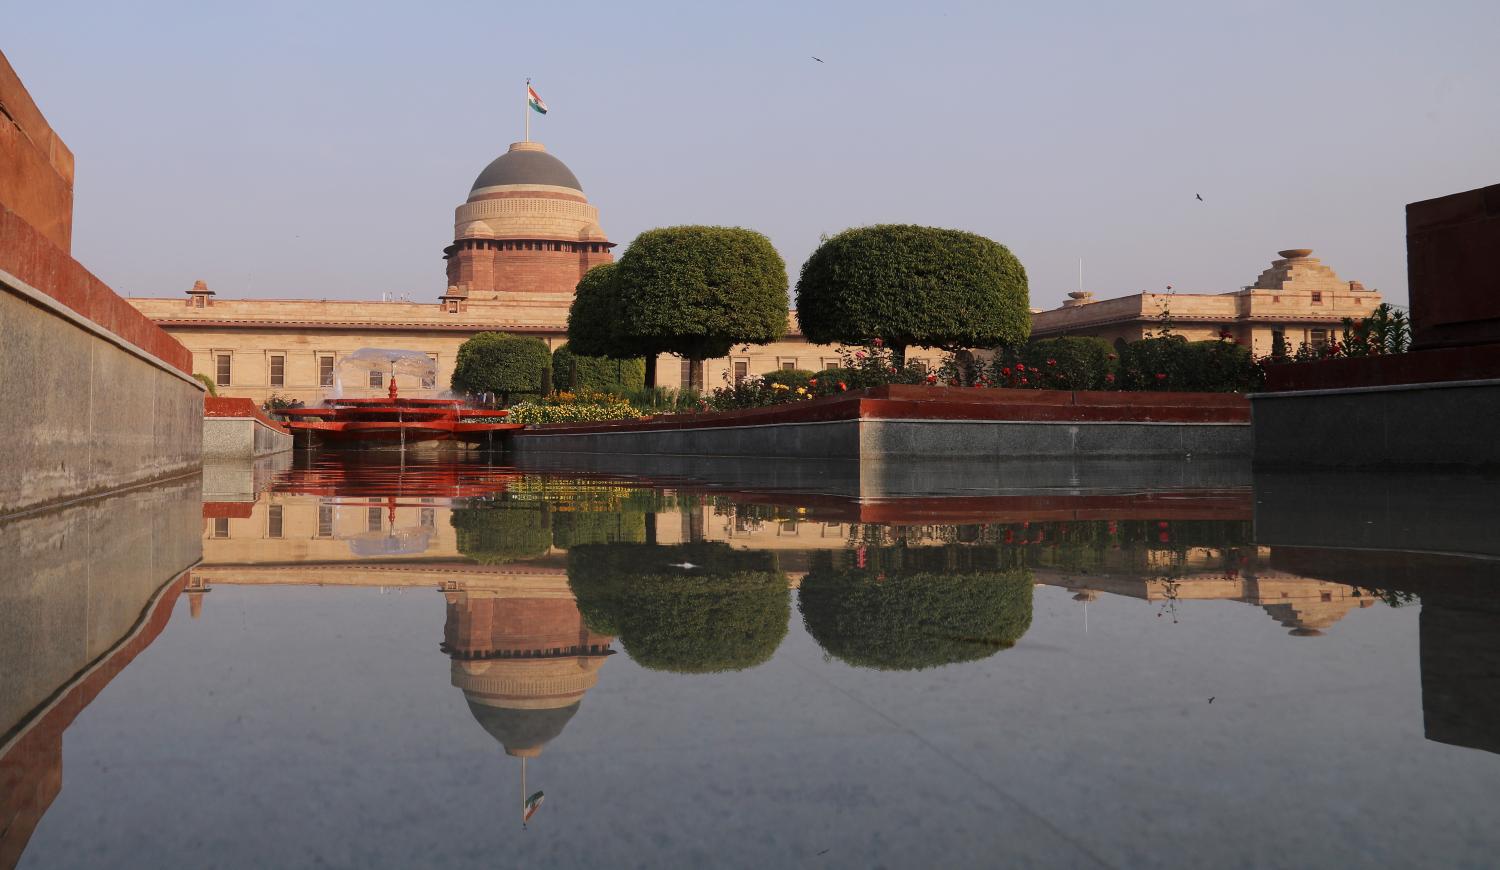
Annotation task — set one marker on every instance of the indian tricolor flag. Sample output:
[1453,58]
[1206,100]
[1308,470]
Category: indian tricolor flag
[534,802]
[535,101]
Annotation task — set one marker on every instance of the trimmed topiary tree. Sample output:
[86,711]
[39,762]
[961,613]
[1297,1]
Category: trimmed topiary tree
[727,612]
[503,364]
[910,285]
[694,291]
[594,316]
[497,530]
[601,374]
[908,611]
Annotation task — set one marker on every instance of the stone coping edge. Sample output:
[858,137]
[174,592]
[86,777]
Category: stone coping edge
[1385,388]
[42,300]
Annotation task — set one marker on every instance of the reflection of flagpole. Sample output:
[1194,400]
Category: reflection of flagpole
[523,770]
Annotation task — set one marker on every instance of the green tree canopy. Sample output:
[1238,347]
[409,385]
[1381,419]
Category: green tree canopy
[913,286]
[500,529]
[726,613]
[501,363]
[914,609]
[594,317]
[601,374]
[696,291]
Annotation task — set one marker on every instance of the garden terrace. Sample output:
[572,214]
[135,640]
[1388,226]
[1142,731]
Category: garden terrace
[928,422]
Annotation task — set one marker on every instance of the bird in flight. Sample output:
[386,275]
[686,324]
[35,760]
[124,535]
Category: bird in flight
[1200,196]
[816,58]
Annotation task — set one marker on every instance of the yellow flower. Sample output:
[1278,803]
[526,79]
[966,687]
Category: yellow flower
[802,391]
[780,387]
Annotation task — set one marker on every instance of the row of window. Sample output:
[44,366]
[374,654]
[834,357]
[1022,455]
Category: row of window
[276,371]
[495,245]
[742,367]
[374,518]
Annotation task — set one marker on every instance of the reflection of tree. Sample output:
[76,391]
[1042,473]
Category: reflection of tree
[577,527]
[502,529]
[908,609]
[726,613]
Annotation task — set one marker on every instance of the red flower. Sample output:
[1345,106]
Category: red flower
[1164,537]
[1010,536]
[878,343]
[1161,376]
[1024,381]
[932,379]
[1051,362]
[1110,378]
[812,382]
[953,382]
[1020,367]
[843,386]
[1005,371]
[1162,524]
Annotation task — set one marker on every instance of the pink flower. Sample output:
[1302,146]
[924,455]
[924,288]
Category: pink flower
[859,354]
[1110,378]
[1051,362]
[1161,376]
[878,343]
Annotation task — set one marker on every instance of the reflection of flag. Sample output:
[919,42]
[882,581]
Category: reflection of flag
[533,803]
[535,101]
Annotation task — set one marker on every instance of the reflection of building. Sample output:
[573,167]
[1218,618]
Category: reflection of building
[1297,297]
[522,655]
[1305,605]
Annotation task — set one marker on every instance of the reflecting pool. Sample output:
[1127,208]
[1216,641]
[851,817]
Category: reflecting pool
[340,661]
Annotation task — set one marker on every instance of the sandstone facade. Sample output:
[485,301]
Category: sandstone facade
[1297,296]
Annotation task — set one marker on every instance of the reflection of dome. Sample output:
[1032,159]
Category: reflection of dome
[522,732]
[522,656]
[527,163]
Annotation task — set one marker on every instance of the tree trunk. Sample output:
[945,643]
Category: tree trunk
[651,528]
[651,370]
[898,356]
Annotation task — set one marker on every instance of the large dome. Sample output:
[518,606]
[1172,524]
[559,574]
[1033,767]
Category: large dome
[526,163]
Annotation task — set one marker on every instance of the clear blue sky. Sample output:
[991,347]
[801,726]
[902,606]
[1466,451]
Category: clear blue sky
[317,149]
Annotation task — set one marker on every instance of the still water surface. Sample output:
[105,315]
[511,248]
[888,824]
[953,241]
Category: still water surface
[377,665]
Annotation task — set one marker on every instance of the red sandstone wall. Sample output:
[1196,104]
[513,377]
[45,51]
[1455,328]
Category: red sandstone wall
[36,172]
[1453,266]
[230,406]
[485,270]
[480,624]
[30,256]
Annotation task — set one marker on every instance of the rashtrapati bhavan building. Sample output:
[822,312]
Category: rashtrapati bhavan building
[527,233]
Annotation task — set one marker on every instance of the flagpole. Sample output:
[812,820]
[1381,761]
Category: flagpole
[526,106]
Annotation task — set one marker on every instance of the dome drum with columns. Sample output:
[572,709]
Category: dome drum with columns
[526,228]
